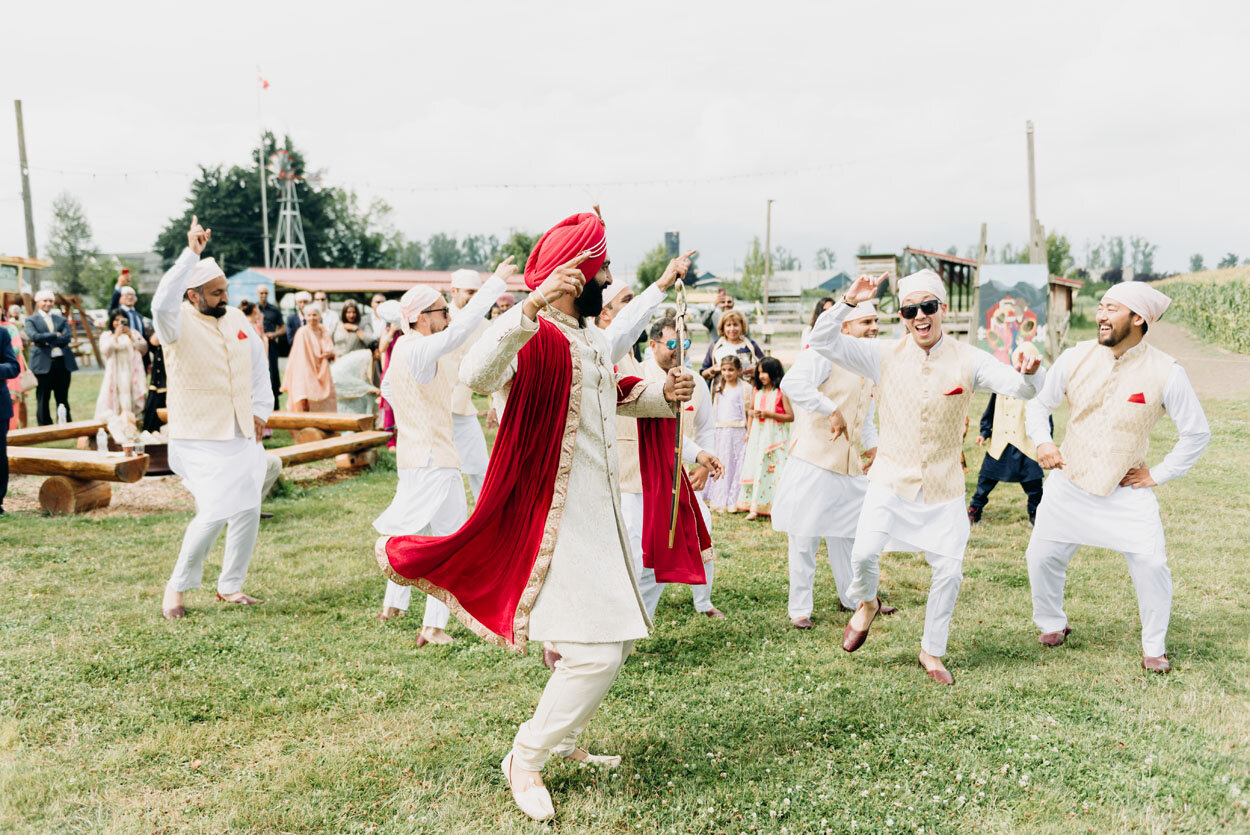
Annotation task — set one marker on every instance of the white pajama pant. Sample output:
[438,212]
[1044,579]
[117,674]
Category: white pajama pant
[436,612]
[648,588]
[943,588]
[273,469]
[578,684]
[803,550]
[471,448]
[241,531]
[1152,579]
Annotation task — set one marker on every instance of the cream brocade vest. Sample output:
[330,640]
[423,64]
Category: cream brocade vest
[422,417]
[627,433]
[461,396]
[1009,428]
[810,440]
[209,369]
[922,400]
[1114,405]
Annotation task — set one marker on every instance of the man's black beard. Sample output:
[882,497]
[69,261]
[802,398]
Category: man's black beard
[1116,336]
[216,311]
[590,303]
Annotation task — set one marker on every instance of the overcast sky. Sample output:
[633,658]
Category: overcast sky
[886,123]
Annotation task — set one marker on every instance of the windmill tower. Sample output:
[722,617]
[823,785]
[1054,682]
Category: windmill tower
[289,250]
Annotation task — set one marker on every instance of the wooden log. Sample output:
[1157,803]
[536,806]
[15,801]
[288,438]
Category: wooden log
[55,432]
[330,447]
[356,460]
[61,495]
[308,435]
[325,421]
[76,463]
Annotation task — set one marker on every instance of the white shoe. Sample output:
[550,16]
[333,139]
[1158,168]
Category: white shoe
[601,760]
[534,801]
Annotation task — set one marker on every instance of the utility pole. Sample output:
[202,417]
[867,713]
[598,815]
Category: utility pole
[975,324]
[768,265]
[31,251]
[264,200]
[1037,241]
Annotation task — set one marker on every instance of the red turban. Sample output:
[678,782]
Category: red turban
[565,241]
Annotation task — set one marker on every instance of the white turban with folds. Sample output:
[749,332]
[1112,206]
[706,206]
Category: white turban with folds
[466,280]
[205,271]
[925,281]
[863,310]
[414,301]
[390,311]
[1139,297]
[613,290]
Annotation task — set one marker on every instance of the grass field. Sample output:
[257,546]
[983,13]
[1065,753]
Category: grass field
[306,714]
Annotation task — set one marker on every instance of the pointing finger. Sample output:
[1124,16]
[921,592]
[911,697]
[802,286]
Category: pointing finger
[577,262]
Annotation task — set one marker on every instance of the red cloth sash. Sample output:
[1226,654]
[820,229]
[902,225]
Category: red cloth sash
[487,565]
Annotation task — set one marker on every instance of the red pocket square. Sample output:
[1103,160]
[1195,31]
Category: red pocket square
[242,335]
[955,390]
[1137,398]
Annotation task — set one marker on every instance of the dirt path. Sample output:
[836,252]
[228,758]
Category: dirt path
[1214,372]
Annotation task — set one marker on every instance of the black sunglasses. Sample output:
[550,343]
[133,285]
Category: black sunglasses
[929,307]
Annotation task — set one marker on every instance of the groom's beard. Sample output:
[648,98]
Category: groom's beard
[590,303]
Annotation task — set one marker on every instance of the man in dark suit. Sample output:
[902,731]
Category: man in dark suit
[51,360]
[295,319]
[275,332]
[8,370]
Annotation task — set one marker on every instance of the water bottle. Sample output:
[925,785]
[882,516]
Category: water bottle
[102,440]
[62,415]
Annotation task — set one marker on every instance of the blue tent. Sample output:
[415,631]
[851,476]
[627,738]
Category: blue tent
[835,284]
[243,285]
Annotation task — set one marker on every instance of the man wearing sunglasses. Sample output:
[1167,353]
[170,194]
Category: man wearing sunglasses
[418,384]
[698,426]
[915,498]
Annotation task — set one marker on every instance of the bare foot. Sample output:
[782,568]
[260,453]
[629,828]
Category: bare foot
[433,635]
[864,614]
[172,599]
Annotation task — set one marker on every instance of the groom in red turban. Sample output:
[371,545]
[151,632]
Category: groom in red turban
[545,555]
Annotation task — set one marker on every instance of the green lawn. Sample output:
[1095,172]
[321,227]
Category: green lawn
[306,714]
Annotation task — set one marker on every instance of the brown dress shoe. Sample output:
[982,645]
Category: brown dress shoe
[1054,639]
[715,614]
[174,613]
[241,601]
[1156,665]
[852,638]
[801,623]
[885,610]
[939,675]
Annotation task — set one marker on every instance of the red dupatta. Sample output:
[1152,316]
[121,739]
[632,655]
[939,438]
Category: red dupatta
[490,572]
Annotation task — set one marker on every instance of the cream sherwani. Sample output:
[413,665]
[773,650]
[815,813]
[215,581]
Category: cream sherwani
[218,379]
[823,484]
[468,435]
[418,384]
[1114,405]
[915,497]
[589,605]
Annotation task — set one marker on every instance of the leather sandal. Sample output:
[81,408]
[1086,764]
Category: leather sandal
[175,613]
[534,801]
[939,675]
[245,600]
[603,760]
[1054,639]
[853,639]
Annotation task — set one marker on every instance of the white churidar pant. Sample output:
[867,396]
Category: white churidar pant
[648,588]
[1127,520]
[578,684]
[430,501]
[241,531]
[803,551]
[471,447]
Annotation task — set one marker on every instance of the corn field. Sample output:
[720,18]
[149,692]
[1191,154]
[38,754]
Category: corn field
[1215,312]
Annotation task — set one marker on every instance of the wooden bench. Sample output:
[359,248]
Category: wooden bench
[78,479]
[54,432]
[350,452]
[310,426]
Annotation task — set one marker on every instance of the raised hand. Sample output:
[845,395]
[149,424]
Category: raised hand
[864,288]
[677,268]
[1028,364]
[1049,456]
[506,269]
[197,236]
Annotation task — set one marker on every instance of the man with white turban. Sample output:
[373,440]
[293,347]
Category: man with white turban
[823,483]
[219,400]
[418,385]
[1100,491]
[470,441]
[915,497]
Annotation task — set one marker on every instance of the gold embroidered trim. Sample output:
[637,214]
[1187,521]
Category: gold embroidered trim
[561,318]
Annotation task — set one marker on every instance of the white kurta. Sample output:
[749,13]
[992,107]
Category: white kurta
[940,527]
[225,477]
[589,594]
[1128,518]
[810,500]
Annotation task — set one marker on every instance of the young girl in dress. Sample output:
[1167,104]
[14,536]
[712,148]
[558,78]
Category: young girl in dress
[730,404]
[768,435]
